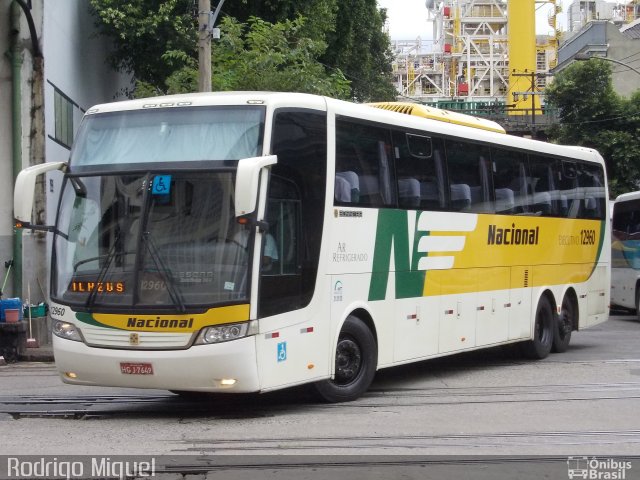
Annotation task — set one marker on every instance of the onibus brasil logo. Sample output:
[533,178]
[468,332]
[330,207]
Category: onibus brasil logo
[597,468]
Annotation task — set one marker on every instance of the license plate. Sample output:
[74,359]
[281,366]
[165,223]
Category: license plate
[128,368]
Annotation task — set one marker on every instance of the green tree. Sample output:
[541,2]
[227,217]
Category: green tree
[260,55]
[156,40]
[360,48]
[593,115]
[151,38]
[353,30]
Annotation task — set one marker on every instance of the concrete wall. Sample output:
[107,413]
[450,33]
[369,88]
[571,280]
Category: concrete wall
[603,39]
[25,54]
[75,65]
[5,142]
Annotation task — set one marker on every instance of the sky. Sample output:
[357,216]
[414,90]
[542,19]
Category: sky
[408,19]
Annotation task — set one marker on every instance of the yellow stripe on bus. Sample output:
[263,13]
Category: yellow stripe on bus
[180,323]
[517,252]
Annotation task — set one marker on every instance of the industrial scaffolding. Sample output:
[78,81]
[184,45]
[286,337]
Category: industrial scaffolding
[473,61]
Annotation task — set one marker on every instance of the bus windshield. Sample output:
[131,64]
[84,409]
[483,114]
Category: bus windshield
[155,240]
[169,135]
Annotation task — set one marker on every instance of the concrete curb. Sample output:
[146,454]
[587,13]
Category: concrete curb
[36,355]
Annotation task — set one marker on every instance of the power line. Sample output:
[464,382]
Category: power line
[634,116]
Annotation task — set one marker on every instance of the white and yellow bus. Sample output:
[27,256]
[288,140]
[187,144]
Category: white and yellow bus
[625,252]
[247,242]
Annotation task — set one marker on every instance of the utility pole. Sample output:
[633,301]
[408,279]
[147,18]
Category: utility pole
[533,92]
[206,21]
[204,45]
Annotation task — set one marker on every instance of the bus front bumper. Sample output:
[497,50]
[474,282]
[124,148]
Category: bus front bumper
[223,367]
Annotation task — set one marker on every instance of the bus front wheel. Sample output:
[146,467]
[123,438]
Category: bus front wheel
[540,346]
[356,362]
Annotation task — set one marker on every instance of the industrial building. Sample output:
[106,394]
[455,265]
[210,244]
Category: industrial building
[485,57]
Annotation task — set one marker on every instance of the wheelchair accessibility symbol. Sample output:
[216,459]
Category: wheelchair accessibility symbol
[282,351]
[161,185]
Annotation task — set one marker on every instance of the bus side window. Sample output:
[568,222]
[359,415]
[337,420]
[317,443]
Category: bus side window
[469,177]
[420,170]
[569,196]
[591,184]
[364,169]
[545,197]
[510,181]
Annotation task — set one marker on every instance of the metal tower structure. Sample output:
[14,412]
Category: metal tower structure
[482,53]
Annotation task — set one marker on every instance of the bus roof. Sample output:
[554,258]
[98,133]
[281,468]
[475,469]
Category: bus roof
[447,123]
[440,115]
[211,99]
[625,197]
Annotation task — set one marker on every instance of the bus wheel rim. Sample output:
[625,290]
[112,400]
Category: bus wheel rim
[348,361]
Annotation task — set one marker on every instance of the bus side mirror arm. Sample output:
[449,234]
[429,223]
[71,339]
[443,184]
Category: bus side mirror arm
[24,192]
[247,182]
[262,225]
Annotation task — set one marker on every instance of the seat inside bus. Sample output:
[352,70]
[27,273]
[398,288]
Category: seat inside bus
[460,196]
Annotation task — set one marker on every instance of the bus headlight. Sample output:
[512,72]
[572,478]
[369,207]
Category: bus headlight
[223,333]
[67,330]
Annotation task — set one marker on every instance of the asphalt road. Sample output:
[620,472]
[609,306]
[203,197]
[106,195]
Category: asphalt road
[491,407]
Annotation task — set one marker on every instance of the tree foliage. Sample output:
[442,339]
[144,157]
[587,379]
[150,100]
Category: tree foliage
[594,116]
[150,38]
[330,47]
[259,55]
[357,44]
[361,48]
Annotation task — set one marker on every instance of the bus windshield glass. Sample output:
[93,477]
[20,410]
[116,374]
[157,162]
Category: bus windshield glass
[154,240]
[163,135]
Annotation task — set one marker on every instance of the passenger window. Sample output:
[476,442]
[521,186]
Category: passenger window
[543,185]
[363,165]
[569,197]
[420,170]
[626,221]
[469,177]
[510,181]
[591,184]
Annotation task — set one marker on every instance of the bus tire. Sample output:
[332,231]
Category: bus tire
[563,326]
[540,346]
[356,362]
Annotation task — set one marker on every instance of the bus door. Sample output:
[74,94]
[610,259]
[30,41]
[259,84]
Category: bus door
[292,321]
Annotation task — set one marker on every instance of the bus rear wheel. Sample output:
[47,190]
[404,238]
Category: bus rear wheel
[356,362]
[540,346]
[563,326]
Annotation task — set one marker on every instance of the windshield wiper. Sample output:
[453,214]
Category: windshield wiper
[167,276]
[103,271]
[78,187]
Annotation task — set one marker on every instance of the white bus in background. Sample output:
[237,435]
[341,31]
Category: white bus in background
[247,242]
[625,252]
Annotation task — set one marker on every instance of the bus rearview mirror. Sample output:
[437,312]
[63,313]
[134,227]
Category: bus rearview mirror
[24,190]
[247,179]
